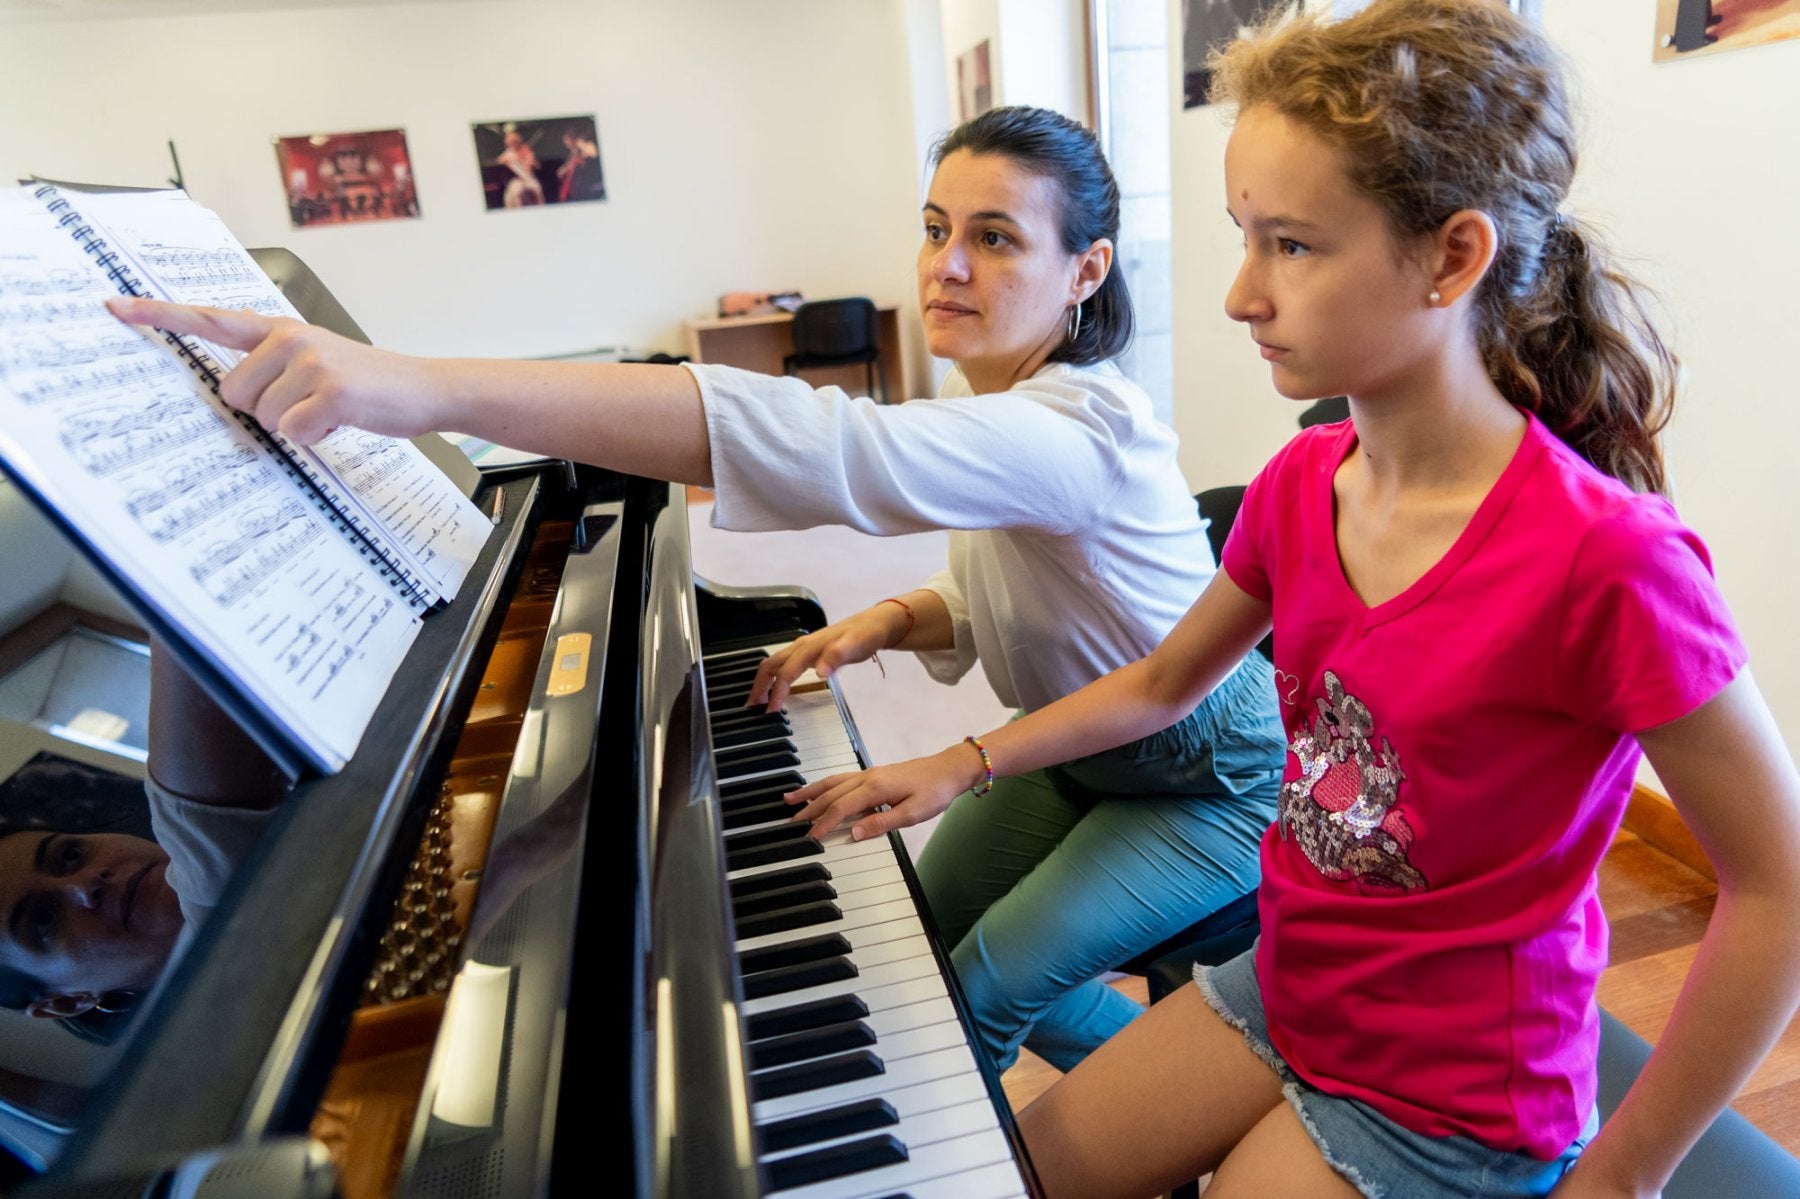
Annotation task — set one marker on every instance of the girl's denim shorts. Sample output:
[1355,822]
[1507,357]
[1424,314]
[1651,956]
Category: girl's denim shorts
[1378,1157]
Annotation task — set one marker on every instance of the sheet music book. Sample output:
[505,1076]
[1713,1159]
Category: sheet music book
[293,578]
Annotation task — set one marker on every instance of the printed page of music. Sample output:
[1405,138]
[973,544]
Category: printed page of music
[120,438]
[186,252]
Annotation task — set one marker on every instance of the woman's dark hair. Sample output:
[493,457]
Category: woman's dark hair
[1446,105]
[1054,147]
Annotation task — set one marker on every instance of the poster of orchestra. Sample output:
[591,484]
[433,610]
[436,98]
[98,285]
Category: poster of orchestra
[339,178]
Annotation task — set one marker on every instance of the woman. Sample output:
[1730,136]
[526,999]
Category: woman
[1484,616]
[1074,547]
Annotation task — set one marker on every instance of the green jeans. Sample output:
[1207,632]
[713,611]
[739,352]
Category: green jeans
[1054,878]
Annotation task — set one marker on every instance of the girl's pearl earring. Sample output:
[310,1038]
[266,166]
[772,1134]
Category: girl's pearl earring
[1435,299]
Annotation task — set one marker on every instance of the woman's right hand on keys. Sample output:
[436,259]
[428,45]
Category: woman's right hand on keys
[856,638]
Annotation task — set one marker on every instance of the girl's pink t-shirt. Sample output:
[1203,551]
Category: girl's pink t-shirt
[1459,758]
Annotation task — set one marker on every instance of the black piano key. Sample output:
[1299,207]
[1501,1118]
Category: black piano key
[845,1120]
[792,953]
[744,817]
[754,759]
[784,920]
[755,799]
[816,1075]
[813,1014]
[756,903]
[723,719]
[764,855]
[751,838]
[774,880]
[795,978]
[751,734]
[814,1042]
[786,781]
[726,676]
[836,1161]
[733,658]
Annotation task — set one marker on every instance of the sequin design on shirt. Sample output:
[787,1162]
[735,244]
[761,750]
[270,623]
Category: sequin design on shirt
[1341,809]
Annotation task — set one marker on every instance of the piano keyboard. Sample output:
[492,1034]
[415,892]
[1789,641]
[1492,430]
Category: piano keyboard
[864,1080]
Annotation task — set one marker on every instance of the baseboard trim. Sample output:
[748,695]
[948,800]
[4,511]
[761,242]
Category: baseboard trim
[1652,818]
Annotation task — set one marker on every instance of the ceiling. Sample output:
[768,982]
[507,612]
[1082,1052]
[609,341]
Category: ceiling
[75,10]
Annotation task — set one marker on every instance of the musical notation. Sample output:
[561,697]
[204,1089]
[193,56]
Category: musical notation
[106,441]
[48,284]
[209,521]
[194,494]
[53,351]
[197,266]
[262,537]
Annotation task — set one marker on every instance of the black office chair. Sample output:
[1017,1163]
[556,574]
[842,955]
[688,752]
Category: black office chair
[838,333]
[1231,929]
[1327,411]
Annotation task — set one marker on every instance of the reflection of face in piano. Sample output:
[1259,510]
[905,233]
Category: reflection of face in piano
[83,916]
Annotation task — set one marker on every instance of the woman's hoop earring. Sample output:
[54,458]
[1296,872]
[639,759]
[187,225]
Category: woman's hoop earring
[1434,298]
[1074,323]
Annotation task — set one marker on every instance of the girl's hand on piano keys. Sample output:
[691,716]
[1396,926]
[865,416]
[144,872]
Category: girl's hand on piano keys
[856,638]
[300,379]
[887,797]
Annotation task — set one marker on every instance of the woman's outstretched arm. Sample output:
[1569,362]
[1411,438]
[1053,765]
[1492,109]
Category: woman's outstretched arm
[305,381]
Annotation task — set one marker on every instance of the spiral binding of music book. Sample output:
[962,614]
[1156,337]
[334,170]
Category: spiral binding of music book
[290,580]
[418,595]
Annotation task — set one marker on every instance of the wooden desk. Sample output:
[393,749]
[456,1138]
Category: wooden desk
[759,343]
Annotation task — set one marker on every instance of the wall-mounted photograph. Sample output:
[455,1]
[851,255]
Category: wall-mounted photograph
[552,160]
[342,178]
[974,82]
[1210,24]
[1691,28]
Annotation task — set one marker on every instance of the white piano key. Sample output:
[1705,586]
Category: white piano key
[945,1160]
[998,1181]
[917,1070]
[836,853]
[866,985]
[843,762]
[898,1047]
[862,927]
[919,1133]
[948,1091]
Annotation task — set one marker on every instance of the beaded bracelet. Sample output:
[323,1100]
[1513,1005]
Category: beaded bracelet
[911,619]
[987,764]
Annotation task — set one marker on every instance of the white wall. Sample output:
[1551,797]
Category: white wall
[1037,50]
[1694,168]
[745,146]
[1044,55]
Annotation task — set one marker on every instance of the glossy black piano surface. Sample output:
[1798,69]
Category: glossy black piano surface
[552,884]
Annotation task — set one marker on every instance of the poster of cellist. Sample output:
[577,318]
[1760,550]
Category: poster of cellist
[527,163]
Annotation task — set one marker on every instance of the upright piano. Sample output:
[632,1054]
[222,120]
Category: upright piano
[550,927]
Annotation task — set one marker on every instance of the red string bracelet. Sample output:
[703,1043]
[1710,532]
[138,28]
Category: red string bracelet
[911,619]
[987,764]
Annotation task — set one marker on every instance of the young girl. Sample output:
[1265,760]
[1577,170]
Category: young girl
[1483,613]
[1074,548]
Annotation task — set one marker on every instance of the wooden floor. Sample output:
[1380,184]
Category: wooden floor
[1658,909]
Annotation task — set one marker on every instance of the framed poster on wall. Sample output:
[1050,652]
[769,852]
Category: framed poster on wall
[340,178]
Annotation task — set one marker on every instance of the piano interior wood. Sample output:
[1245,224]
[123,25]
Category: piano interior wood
[371,1100]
